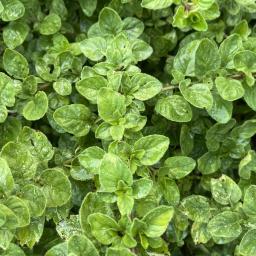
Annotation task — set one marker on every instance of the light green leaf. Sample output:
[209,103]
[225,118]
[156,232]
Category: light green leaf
[174,108]
[199,233]
[147,86]
[13,250]
[80,245]
[20,161]
[198,95]
[156,4]
[249,206]
[11,220]
[89,87]
[91,158]
[228,48]
[247,165]
[196,208]
[15,34]
[6,179]
[142,187]
[6,237]
[37,107]
[94,48]
[35,199]
[92,203]
[74,119]
[178,167]
[225,227]
[141,50]
[7,90]
[153,148]
[225,190]
[63,87]
[50,25]
[221,110]
[112,170]
[109,21]
[245,61]
[157,220]
[247,245]
[229,89]
[170,191]
[20,209]
[118,252]
[103,228]
[125,202]
[56,187]
[58,250]
[209,163]
[13,10]
[15,64]
[31,234]
[88,6]
[133,27]
[111,105]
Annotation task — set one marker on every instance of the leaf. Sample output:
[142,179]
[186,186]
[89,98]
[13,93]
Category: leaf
[141,188]
[15,64]
[50,25]
[209,163]
[56,187]
[35,199]
[13,10]
[147,85]
[170,191]
[117,252]
[178,167]
[6,180]
[63,87]
[156,4]
[6,237]
[15,34]
[73,118]
[224,227]
[35,109]
[174,108]
[157,220]
[109,21]
[94,48]
[112,170]
[200,233]
[91,158]
[245,61]
[7,90]
[103,228]
[229,89]
[196,208]
[229,47]
[58,250]
[247,245]
[125,202]
[249,197]
[88,6]
[20,161]
[89,87]
[80,245]
[92,203]
[111,105]
[198,95]
[221,110]
[20,210]
[153,148]
[225,190]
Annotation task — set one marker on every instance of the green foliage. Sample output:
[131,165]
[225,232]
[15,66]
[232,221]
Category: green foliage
[127,127]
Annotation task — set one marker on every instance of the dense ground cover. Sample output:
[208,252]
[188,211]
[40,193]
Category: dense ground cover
[127,127]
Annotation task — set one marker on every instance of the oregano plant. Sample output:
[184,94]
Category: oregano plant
[128,128]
